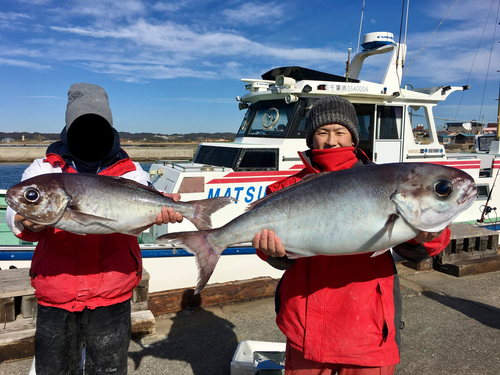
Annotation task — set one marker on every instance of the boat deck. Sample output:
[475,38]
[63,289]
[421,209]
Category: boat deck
[452,326]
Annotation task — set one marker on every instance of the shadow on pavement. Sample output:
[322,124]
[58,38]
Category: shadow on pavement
[484,314]
[199,337]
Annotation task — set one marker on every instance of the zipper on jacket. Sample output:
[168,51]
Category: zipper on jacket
[33,274]
[385,329]
[139,271]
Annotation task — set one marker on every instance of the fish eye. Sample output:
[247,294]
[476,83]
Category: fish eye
[443,188]
[31,195]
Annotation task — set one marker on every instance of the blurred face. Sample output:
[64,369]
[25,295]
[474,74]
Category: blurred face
[90,138]
[331,136]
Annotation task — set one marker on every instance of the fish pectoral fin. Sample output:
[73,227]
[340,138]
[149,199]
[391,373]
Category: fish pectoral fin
[137,232]
[87,219]
[291,255]
[389,224]
[379,252]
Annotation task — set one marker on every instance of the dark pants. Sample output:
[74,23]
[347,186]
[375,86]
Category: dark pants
[60,336]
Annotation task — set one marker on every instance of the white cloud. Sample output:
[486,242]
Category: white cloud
[106,9]
[174,6]
[36,2]
[147,71]
[188,45]
[473,10]
[11,16]
[13,21]
[127,39]
[24,64]
[255,13]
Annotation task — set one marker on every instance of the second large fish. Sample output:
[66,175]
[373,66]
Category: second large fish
[358,210]
[94,204]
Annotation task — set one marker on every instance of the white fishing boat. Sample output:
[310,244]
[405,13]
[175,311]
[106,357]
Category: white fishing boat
[265,151]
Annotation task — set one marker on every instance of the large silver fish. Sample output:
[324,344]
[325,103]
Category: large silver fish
[95,204]
[358,210]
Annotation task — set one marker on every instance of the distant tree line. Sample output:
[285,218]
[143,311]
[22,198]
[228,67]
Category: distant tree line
[125,136]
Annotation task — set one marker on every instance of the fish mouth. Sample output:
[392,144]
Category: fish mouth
[10,197]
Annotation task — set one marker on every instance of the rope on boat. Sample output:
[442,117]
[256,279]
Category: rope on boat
[440,23]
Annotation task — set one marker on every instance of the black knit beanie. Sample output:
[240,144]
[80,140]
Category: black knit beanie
[332,110]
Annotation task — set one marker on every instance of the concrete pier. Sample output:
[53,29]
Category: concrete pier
[26,154]
[452,326]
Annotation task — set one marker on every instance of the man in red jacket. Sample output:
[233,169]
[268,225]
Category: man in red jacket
[84,283]
[340,314]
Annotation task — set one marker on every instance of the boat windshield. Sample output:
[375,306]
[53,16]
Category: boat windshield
[267,118]
[483,143]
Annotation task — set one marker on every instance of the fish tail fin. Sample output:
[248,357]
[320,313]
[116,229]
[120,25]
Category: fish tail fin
[204,208]
[198,243]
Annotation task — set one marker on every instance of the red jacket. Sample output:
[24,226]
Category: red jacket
[72,271]
[344,309]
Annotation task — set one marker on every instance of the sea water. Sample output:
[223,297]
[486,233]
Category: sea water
[10,173]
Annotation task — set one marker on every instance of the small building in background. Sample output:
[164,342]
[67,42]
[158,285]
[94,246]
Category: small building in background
[473,127]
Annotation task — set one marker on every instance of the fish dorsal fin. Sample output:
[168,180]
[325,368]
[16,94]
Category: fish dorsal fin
[307,178]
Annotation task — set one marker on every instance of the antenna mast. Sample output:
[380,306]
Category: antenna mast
[360,25]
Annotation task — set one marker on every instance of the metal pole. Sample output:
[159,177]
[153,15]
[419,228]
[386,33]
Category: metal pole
[498,115]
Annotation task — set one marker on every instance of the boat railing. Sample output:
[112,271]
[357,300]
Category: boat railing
[188,166]
[175,163]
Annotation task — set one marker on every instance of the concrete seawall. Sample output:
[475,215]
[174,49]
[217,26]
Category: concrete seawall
[26,154]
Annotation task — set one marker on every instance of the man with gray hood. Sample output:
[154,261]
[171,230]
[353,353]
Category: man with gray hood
[83,284]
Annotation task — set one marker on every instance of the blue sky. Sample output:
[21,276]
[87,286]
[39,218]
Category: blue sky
[175,66]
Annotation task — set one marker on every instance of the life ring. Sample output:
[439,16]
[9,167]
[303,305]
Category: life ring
[270,118]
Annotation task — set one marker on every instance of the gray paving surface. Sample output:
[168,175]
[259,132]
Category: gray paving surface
[452,326]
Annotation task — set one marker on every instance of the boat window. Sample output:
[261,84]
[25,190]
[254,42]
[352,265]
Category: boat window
[365,114]
[420,129]
[192,185]
[389,121]
[298,122]
[483,143]
[258,159]
[217,156]
[266,118]
[244,124]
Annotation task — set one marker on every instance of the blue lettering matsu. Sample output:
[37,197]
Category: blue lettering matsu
[250,194]
[211,193]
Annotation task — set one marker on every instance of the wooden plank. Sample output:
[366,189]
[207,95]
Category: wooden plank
[145,276]
[29,306]
[424,265]
[143,323]
[461,230]
[18,342]
[140,294]
[471,266]
[7,310]
[469,242]
[171,301]
[17,345]
[15,283]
